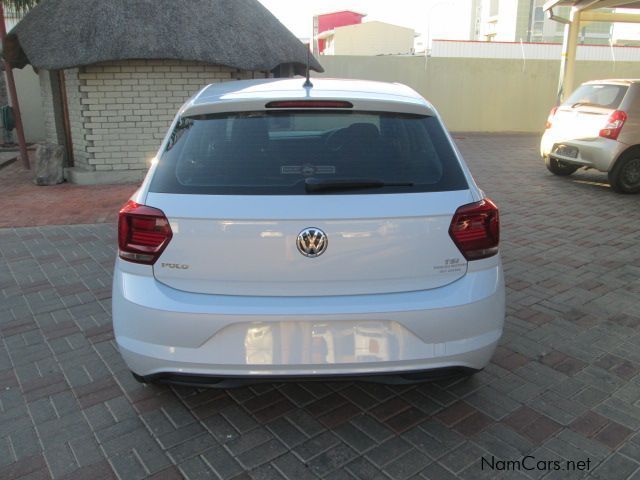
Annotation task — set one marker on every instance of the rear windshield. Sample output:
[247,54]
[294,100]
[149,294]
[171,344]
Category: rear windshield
[275,153]
[603,96]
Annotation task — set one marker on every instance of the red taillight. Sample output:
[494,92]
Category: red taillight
[614,125]
[143,233]
[550,117]
[475,229]
[309,104]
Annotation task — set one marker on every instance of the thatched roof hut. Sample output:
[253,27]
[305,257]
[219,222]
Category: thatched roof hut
[243,34]
[113,73]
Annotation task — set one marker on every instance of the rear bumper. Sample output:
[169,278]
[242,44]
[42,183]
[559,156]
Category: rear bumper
[222,381]
[599,153]
[162,331]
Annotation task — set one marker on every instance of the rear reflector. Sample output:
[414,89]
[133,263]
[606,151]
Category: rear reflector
[143,233]
[475,229]
[614,125]
[309,104]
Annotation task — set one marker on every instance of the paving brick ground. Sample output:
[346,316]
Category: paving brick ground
[25,204]
[564,384]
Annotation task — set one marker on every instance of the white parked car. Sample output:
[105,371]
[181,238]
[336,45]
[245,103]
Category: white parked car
[597,127]
[303,232]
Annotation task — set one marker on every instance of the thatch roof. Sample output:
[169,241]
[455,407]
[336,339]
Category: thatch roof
[242,34]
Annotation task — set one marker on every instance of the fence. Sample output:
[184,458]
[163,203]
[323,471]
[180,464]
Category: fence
[531,51]
[478,94]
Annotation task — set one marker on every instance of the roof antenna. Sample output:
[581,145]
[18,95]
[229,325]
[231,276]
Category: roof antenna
[307,82]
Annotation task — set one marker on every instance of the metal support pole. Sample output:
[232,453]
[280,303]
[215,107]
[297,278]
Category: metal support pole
[568,60]
[13,94]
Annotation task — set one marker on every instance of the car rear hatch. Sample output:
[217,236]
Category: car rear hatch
[241,246]
[238,190]
[587,110]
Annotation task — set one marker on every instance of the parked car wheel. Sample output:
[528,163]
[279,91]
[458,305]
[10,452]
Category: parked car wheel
[559,168]
[624,177]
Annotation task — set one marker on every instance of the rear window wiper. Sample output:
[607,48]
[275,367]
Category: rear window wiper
[313,185]
[585,104]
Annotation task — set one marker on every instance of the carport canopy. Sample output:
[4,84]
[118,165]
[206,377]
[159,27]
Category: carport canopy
[584,11]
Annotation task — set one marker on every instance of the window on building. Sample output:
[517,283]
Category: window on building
[538,14]
[538,28]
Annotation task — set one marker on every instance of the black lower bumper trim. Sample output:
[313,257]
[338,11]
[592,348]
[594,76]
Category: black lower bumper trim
[224,381]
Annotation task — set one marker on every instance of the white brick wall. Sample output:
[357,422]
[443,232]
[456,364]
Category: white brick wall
[47,107]
[76,120]
[120,111]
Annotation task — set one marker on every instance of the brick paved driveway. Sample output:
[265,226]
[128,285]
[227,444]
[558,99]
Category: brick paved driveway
[23,204]
[565,384]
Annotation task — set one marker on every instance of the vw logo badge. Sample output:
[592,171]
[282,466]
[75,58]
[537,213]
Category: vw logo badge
[312,242]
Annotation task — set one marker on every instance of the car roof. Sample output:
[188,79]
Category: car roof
[254,94]
[614,81]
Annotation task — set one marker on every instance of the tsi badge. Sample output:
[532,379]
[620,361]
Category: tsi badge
[312,242]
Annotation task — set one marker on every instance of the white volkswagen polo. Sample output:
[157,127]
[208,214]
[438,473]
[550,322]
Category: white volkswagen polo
[301,232]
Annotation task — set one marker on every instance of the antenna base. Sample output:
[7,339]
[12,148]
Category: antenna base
[307,82]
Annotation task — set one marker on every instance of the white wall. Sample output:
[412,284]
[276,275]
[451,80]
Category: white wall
[29,98]
[371,38]
[48,115]
[626,31]
[478,94]
[503,24]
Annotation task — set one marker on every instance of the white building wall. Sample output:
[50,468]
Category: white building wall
[370,38]
[48,116]
[498,20]
[626,31]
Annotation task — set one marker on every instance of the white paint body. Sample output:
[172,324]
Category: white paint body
[382,298]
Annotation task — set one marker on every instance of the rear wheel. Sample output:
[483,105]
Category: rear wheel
[624,177]
[558,168]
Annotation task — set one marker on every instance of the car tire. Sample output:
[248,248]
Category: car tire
[558,168]
[624,177]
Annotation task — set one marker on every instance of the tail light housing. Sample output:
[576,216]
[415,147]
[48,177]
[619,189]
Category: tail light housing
[475,229]
[143,233]
[614,125]
[552,113]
